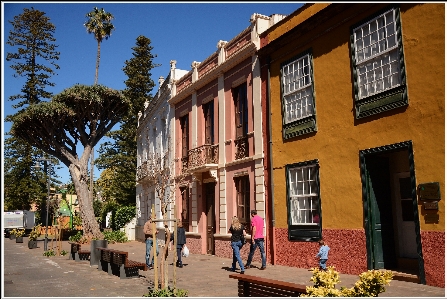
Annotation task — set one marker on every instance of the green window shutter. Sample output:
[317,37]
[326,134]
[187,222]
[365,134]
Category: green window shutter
[304,232]
[389,99]
[307,124]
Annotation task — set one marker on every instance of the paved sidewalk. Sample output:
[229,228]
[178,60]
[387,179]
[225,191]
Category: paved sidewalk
[27,273]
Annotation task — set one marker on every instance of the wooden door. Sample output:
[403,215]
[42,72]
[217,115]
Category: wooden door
[210,216]
[380,213]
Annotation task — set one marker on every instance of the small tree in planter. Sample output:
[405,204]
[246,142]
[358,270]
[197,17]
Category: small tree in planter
[33,235]
[19,235]
[12,234]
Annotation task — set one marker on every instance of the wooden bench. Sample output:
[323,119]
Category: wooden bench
[77,254]
[253,286]
[116,262]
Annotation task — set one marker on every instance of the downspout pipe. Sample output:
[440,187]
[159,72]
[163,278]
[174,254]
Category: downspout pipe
[270,172]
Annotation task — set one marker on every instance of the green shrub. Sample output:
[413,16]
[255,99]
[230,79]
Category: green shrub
[64,252]
[167,292]
[115,236]
[49,253]
[77,220]
[79,237]
[370,284]
[123,216]
[35,233]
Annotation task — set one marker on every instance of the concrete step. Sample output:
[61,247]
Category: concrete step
[402,276]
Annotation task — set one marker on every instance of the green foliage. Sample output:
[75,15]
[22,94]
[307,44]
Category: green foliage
[35,233]
[13,231]
[20,233]
[35,56]
[97,207]
[167,292]
[115,236]
[49,253]
[77,220]
[99,24]
[76,238]
[370,284]
[64,252]
[123,216]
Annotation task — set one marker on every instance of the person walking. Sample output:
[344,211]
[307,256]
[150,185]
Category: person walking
[149,235]
[237,231]
[323,254]
[257,239]
[181,241]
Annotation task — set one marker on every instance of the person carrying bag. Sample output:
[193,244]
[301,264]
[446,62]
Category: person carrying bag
[181,243]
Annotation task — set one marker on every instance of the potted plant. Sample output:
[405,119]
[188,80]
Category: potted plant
[33,235]
[12,234]
[19,235]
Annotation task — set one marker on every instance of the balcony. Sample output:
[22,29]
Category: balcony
[199,158]
[241,147]
[153,165]
[144,170]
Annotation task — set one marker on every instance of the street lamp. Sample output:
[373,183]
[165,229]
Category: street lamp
[48,172]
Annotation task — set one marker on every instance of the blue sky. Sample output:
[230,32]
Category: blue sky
[181,31]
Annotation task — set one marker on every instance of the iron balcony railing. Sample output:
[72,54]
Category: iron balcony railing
[151,166]
[241,147]
[200,156]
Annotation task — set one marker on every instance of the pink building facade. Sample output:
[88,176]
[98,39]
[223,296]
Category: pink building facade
[218,147]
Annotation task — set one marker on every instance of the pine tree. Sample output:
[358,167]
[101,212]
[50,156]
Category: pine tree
[34,59]
[121,154]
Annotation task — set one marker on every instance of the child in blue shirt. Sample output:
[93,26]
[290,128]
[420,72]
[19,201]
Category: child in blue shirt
[323,254]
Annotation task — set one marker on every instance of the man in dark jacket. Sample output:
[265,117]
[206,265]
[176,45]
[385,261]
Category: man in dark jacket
[181,241]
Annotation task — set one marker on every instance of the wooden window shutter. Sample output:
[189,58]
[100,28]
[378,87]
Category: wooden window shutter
[185,135]
[208,110]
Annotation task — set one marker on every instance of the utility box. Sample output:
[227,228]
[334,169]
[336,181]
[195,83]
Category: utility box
[19,220]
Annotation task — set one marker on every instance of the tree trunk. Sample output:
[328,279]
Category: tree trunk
[92,163]
[97,62]
[90,225]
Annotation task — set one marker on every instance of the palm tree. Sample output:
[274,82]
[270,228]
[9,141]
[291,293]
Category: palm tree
[98,23]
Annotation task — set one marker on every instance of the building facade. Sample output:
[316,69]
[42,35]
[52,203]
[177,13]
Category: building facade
[218,150]
[155,156]
[353,111]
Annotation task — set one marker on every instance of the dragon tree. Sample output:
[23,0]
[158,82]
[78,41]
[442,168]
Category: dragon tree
[79,115]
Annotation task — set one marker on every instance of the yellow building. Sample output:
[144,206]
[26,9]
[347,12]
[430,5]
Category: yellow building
[354,116]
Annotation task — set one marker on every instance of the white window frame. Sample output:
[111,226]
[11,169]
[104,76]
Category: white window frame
[377,55]
[297,89]
[303,189]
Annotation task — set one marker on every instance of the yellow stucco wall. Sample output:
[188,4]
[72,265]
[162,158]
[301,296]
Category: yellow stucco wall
[340,136]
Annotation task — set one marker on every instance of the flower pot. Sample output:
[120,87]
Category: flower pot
[32,244]
[12,237]
[19,239]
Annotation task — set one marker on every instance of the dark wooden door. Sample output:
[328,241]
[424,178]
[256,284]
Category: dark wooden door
[380,213]
[210,216]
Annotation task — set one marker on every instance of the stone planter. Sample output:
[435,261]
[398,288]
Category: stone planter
[32,244]
[12,237]
[19,239]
